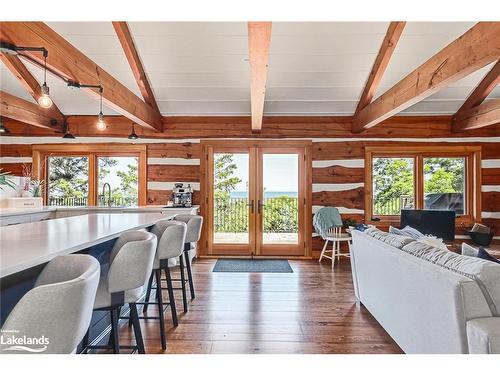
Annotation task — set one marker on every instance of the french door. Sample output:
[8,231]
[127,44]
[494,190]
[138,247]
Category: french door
[257,198]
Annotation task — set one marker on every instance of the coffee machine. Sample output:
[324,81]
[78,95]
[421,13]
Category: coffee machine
[182,196]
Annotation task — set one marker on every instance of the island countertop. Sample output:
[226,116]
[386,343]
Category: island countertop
[27,245]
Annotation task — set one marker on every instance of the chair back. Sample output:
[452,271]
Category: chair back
[171,238]
[325,219]
[194,225]
[56,313]
[131,261]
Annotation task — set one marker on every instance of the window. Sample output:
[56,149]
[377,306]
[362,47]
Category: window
[422,177]
[121,176]
[393,185]
[68,180]
[77,175]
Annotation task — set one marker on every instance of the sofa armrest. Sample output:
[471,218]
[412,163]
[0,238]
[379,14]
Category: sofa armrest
[483,335]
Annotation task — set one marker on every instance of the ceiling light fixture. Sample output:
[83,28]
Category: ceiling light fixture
[67,134]
[101,124]
[3,129]
[44,99]
[133,135]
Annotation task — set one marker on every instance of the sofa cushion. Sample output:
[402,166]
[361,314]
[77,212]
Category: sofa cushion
[407,232]
[485,273]
[483,254]
[389,238]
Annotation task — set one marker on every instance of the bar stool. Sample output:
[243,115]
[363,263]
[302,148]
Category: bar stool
[194,225]
[58,310]
[131,262]
[171,236]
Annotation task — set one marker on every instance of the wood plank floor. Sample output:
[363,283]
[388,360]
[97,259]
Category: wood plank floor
[309,311]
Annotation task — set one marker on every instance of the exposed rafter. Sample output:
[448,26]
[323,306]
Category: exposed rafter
[73,65]
[475,49]
[483,89]
[259,41]
[19,70]
[134,60]
[477,117]
[30,113]
[387,48]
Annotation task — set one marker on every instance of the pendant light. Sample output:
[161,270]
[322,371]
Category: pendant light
[133,135]
[101,125]
[67,134]
[3,129]
[44,100]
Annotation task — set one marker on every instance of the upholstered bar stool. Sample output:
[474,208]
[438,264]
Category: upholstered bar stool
[58,310]
[171,236]
[194,224]
[131,263]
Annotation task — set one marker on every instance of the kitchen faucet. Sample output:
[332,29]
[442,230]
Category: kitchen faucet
[109,195]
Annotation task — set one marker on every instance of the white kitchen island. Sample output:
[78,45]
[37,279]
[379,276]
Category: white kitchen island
[28,245]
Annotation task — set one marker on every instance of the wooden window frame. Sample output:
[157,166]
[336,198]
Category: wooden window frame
[472,155]
[42,152]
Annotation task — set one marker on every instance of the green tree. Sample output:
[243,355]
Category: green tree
[392,178]
[224,168]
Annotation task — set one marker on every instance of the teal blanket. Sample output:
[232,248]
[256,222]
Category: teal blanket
[326,218]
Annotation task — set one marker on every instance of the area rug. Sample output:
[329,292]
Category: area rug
[253,265]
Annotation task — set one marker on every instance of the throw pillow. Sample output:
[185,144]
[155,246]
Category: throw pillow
[483,254]
[469,250]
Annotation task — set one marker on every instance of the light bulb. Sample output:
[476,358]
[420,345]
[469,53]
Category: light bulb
[101,125]
[44,100]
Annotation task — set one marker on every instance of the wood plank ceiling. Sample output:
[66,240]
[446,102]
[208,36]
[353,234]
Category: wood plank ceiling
[197,69]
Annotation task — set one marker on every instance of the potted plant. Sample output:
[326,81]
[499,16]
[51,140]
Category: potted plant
[349,223]
[5,180]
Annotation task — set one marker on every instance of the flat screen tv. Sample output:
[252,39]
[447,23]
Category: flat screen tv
[439,223]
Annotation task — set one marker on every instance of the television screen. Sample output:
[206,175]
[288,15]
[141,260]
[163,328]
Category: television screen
[439,223]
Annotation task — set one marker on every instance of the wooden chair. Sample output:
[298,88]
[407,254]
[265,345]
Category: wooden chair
[328,224]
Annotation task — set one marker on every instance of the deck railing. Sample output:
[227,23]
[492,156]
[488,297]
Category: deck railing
[280,215]
[79,202]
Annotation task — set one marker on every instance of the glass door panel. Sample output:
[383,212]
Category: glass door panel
[280,185]
[118,179]
[231,198]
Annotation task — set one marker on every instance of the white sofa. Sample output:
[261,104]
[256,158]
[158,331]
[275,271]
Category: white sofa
[425,305]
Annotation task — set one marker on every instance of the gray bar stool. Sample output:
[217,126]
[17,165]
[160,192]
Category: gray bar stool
[131,262]
[58,310]
[171,235]
[194,225]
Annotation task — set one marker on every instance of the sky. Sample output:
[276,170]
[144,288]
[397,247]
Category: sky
[280,172]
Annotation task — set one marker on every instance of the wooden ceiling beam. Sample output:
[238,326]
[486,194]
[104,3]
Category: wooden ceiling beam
[381,62]
[475,49]
[73,65]
[30,113]
[477,117]
[259,42]
[483,89]
[24,76]
[129,48]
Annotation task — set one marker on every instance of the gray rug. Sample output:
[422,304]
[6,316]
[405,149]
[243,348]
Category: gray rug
[253,265]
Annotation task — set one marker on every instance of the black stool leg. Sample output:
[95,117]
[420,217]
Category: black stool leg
[114,331]
[160,309]
[137,328]
[183,284]
[148,293]
[190,274]
[171,296]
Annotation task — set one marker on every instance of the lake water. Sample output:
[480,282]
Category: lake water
[267,194]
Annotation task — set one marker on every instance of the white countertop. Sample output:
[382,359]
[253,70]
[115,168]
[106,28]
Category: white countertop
[27,245]
[5,212]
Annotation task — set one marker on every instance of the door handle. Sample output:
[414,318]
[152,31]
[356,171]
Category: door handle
[251,206]
[260,204]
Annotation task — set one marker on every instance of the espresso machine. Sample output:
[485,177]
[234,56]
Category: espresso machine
[182,196]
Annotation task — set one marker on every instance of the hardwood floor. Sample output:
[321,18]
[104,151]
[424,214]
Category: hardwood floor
[309,311]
